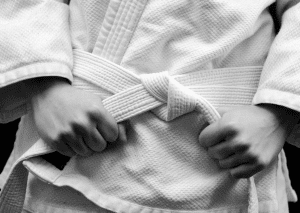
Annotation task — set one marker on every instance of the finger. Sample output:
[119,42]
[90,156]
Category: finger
[212,135]
[77,144]
[222,150]
[95,141]
[225,149]
[245,171]
[122,133]
[82,129]
[235,160]
[106,125]
[63,148]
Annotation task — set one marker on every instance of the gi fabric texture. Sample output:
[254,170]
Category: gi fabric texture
[218,52]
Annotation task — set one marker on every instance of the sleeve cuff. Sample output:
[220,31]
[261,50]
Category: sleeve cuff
[20,106]
[286,99]
[36,70]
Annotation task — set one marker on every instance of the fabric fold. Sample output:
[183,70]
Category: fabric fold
[128,96]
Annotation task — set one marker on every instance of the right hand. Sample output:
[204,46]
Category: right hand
[72,121]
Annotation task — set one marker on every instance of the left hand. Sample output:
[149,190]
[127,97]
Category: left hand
[247,139]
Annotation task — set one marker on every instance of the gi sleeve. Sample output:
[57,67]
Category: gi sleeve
[34,42]
[280,78]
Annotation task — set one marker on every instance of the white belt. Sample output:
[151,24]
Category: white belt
[167,96]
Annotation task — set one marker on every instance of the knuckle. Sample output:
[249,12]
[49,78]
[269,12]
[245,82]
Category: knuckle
[95,110]
[231,126]
[67,132]
[80,126]
[65,135]
[80,122]
[55,139]
[241,145]
[252,156]
[260,164]
[257,160]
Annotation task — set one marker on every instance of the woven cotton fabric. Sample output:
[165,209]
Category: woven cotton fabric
[163,167]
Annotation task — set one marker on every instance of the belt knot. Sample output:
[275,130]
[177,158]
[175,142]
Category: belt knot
[178,100]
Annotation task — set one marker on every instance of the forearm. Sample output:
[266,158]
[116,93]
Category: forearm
[20,93]
[287,117]
[38,86]
[11,96]
[35,42]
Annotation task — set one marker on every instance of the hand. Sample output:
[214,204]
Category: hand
[70,120]
[247,139]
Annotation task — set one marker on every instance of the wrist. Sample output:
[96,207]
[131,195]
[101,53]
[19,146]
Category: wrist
[38,86]
[287,117]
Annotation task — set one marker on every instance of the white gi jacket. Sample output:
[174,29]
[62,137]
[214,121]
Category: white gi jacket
[165,66]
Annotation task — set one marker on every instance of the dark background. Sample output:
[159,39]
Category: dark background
[293,157]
